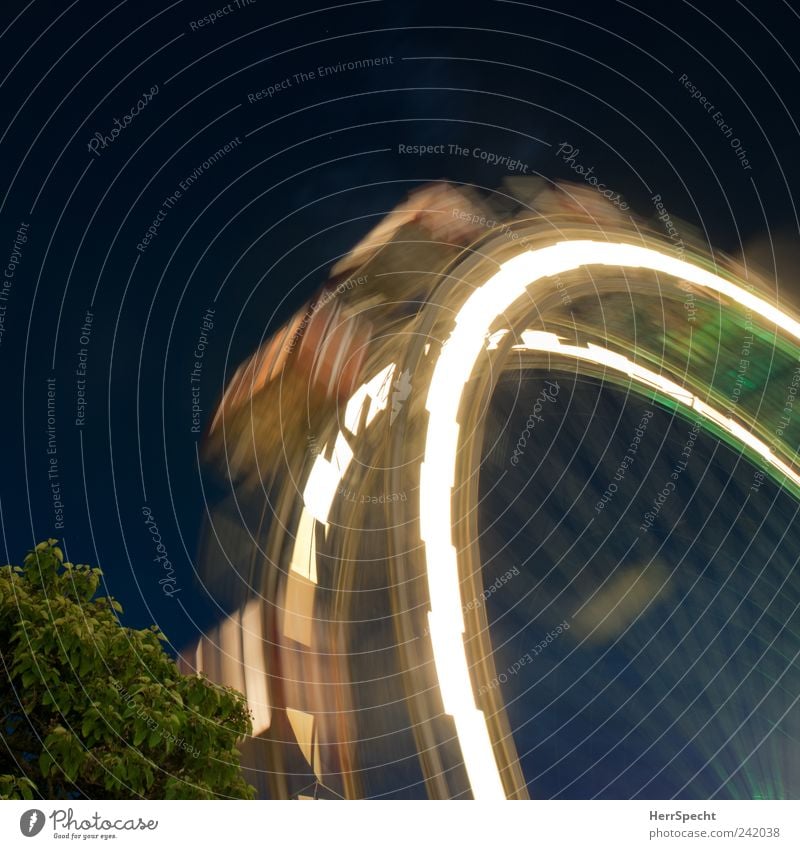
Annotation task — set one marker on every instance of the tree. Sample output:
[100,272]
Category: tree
[89,708]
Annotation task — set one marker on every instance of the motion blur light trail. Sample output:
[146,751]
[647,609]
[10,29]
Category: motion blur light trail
[346,548]
[452,371]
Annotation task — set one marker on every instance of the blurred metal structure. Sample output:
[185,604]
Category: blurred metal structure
[351,447]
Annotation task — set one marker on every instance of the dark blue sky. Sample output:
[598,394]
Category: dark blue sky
[317,164]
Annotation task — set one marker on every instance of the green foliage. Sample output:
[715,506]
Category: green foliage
[89,708]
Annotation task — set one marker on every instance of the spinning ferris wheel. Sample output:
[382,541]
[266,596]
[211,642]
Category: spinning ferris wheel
[450,493]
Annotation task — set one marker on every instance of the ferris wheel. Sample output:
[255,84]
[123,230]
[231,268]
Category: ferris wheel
[370,447]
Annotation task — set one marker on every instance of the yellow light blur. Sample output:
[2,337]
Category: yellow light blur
[255,667]
[453,368]
[304,551]
[377,390]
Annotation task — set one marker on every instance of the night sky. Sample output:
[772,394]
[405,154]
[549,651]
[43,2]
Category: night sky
[240,169]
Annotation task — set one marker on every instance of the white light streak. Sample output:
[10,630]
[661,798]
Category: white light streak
[454,366]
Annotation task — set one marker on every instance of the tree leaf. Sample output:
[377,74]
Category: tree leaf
[54,632]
